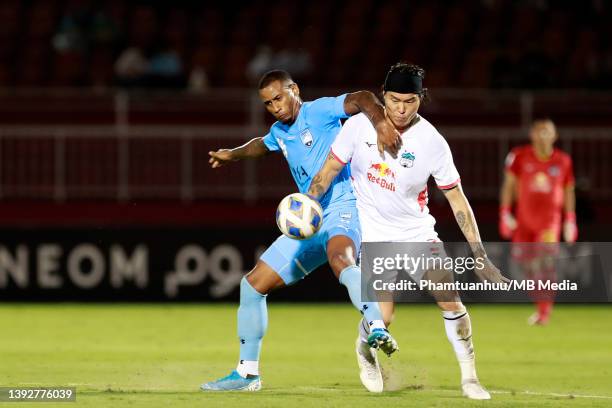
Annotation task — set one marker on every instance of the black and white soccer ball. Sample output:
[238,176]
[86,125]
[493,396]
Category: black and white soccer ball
[299,216]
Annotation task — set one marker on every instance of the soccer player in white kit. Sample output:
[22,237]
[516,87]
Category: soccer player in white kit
[391,193]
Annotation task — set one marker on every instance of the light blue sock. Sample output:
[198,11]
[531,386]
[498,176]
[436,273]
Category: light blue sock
[351,278]
[252,321]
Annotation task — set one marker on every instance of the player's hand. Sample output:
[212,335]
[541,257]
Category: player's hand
[490,273]
[220,158]
[507,223]
[388,137]
[313,197]
[570,229]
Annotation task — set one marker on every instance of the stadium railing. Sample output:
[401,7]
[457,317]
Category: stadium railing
[68,145]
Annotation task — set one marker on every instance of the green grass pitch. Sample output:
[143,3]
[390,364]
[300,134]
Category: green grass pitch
[157,355]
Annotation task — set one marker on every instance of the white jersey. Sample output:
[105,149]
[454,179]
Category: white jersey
[392,193]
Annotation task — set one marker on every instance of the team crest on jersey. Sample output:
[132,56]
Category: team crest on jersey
[541,183]
[407,159]
[554,171]
[306,137]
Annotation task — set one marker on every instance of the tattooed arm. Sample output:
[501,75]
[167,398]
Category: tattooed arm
[466,221]
[321,182]
[465,218]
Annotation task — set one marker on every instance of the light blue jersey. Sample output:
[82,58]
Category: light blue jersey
[306,144]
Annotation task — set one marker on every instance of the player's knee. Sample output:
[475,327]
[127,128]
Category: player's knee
[339,261]
[451,306]
[252,281]
[446,298]
[263,279]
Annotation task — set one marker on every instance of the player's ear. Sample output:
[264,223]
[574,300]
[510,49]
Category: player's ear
[423,96]
[295,89]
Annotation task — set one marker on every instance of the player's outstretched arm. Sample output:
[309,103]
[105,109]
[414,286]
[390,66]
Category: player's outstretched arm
[322,180]
[252,149]
[506,196]
[465,218]
[366,102]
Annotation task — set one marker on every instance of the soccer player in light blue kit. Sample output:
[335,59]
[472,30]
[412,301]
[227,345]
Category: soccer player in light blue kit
[304,132]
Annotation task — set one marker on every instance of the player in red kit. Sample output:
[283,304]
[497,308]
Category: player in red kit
[539,178]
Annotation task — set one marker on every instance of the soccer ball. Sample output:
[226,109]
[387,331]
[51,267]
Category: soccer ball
[299,216]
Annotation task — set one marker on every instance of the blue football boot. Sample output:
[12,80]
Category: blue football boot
[234,382]
[382,339]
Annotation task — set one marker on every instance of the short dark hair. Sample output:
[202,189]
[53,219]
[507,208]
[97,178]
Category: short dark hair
[275,75]
[406,68]
[410,69]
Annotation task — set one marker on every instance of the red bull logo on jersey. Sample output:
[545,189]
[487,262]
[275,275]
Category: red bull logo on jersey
[381,174]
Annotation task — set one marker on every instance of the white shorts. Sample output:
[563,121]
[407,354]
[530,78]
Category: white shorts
[427,248]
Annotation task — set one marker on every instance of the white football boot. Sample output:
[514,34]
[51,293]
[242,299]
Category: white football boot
[473,390]
[369,369]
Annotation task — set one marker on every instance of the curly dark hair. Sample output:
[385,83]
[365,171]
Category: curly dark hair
[406,68]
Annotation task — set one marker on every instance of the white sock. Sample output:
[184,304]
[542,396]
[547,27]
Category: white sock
[365,328]
[468,371]
[377,324]
[246,367]
[459,332]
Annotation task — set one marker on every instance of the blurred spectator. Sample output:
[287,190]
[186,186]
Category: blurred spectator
[297,61]
[70,34]
[131,67]
[198,80]
[165,69]
[262,62]
[294,60]
[533,43]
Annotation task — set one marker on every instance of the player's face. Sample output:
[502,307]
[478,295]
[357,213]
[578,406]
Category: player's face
[282,100]
[543,133]
[401,108]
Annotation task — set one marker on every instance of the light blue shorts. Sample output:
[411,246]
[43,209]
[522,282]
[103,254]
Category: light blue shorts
[293,259]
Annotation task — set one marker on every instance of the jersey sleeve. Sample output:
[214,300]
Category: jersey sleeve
[568,179]
[444,172]
[344,145]
[271,143]
[327,111]
[512,163]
